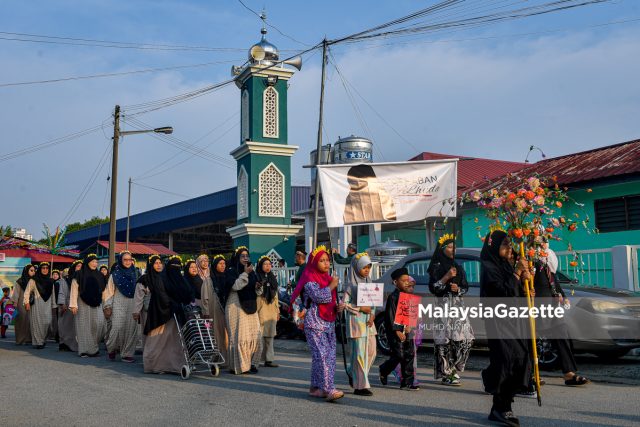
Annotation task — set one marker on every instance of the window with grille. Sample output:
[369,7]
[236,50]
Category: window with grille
[271,192]
[618,214]
[270,113]
[244,109]
[243,193]
[274,257]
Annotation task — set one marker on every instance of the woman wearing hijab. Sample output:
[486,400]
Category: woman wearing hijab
[168,291]
[214,291]
[66,323]
[453,338]
[23,322]
[41,286]
[317,290]
[509,367]
[118,305]
[361,330]
[85,303]
[245,342]
[190,272]
[52,334]
[268,311]
[104,270]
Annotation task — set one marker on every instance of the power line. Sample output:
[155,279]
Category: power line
[160,190]
[124,73]
[264,19]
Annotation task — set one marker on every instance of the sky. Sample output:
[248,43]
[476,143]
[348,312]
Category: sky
[564,82]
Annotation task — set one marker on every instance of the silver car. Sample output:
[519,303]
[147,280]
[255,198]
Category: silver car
[612,312]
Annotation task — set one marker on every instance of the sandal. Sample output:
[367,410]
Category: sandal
[576,380]
[334,395]
[318,393]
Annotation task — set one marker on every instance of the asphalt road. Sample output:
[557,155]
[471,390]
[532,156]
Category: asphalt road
[46,387]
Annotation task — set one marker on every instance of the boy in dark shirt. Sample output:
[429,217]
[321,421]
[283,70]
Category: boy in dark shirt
[400,337]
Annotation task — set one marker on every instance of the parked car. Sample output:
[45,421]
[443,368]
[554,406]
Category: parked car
[614,313]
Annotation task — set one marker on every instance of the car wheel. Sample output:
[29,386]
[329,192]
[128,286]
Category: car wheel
[381,338]
[611,354]
[547,354]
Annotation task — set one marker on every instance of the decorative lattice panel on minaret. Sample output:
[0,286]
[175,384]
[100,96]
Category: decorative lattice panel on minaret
[271,192]
[244,109]
[243,193]
[270,113]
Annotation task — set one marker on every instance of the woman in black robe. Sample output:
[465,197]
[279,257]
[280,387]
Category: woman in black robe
[509,367]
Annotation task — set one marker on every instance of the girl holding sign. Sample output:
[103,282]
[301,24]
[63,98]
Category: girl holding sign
[361,330]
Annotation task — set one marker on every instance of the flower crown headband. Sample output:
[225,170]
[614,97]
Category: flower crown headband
[91,255]
[219,256]
[317,250]
[42,264]
[103,265]
[360,255]
[153,256]
[241,248]
[263,257]
[446,237]
[175,257]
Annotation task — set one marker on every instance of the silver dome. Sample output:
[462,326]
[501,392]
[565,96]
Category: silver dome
[263,51]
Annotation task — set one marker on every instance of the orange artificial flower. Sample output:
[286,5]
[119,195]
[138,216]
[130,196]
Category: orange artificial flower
[559,204]
[529,195]
[549,229]
[526,231]
[536,232]
[517,233]
[531,253]
[511,197]
[573,263]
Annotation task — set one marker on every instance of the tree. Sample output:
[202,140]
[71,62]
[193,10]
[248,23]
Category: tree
[75,226]
[6,231]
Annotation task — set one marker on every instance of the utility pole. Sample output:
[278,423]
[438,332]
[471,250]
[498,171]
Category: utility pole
[319,146]
[128,214]
[114,187]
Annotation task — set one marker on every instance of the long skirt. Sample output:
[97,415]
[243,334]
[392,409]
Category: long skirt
[363,354]
[23,322]
[323,358]
[123,333]
[67,330]
[40,320]
[89,327]
[245,342]
[220,331]
[162,350]
[53,326]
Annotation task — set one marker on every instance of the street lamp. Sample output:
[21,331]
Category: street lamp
[117,133]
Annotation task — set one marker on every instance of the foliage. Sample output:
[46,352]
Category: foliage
[75,226]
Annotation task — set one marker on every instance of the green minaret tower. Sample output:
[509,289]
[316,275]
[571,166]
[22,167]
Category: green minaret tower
[264,156]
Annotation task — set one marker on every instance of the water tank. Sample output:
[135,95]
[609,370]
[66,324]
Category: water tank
[325,158]
[392,250]
[353,149]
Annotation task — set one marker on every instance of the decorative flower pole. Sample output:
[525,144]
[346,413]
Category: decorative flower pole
[530,215]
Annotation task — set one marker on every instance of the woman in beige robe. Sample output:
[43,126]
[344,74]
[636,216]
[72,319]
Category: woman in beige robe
[41,287]
[23,322]
[213,285]
[66,322]
[268,309]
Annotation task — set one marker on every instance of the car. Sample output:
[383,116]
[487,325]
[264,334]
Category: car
[612,315]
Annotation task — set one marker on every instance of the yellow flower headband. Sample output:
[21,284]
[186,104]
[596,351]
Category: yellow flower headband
[42,264]
[318,249]
[103,265]
[219,256]
[241,248]
[262,258]
[446,237]
[360,255]
[190,260]
[175,257]
[153,256]
[496,226]
[126,252]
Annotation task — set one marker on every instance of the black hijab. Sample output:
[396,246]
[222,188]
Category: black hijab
[71,273]
[268,280]
[247,295]
[44,282]
[496,278]
[91,283]
[194,281]
[169,290]
[440,264]
[221,284]
[23,281]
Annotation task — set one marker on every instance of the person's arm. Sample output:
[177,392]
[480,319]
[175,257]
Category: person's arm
[73,298]
[241,282]
[63,294]
[108,293]
[318,295]
[340,259]
[31,287]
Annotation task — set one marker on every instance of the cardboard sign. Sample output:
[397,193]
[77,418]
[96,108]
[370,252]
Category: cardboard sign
[370,294]
[407,311]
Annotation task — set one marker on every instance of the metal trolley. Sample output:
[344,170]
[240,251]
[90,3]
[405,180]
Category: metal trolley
[198,344]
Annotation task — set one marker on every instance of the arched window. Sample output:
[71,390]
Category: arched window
[271,192]
[274,257]
[270,128]
[243,193]
[244,110]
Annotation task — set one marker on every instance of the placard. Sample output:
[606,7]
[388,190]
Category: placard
[407,311]
[370,294]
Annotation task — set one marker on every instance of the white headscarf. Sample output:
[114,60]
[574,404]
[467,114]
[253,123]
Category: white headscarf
[552,260]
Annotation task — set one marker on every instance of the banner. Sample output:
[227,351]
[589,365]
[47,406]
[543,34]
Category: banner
[370,294]
[369,193]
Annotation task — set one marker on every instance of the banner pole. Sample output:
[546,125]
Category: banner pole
[532,325]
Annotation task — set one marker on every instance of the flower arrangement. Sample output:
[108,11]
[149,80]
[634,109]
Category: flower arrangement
[529,210]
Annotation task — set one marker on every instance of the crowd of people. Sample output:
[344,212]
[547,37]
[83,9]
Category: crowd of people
[91,304]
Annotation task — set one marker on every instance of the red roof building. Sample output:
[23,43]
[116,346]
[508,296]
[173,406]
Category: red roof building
[140,248]
[474,170]
[36,256]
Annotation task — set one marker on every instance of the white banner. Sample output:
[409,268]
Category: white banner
[369,193]
[370,294]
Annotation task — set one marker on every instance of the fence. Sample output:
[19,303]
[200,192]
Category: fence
[593,267]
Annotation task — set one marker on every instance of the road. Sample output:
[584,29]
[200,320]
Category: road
[46,387]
